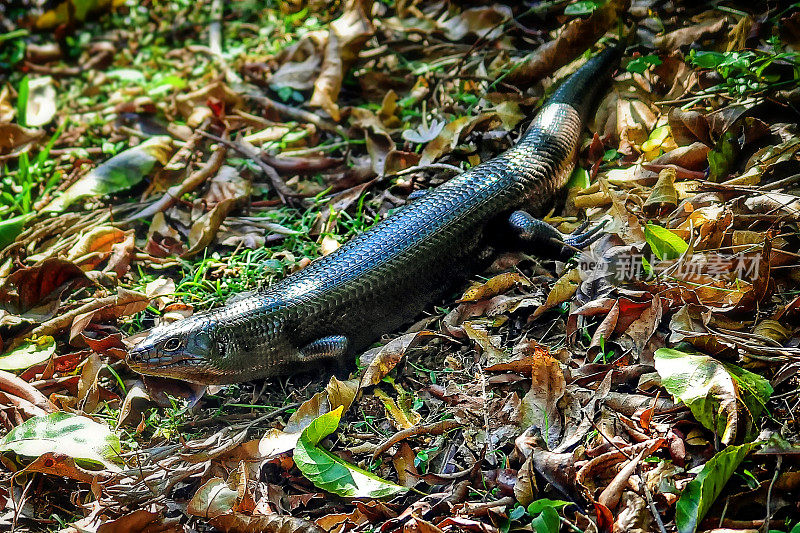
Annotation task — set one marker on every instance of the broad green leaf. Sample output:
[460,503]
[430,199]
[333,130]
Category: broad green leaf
[584,7]
[91,444]
[121,172]
[712,390]
[329,472]
[539,505]
[11,228]
[698,496]
[664,243]
[29,353]
[642,63]
[547,521]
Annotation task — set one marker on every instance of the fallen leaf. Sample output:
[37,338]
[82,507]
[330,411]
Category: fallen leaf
[540,404]
[90,443]
[713,390]
[29,353]
[347,35]
[35,292]
[121,172]
[328,472]
[41,106]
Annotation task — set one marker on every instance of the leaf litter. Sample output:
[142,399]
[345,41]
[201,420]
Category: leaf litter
[650,384]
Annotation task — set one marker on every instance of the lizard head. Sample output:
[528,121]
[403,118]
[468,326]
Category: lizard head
[180,350]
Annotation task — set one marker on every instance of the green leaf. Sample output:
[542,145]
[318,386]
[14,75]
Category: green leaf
[121,172]
[640,64]
[22,101]
[722,157]
[581,8]
[539,505]
[657,138]
[547,521]
[579,179]
[29,353]
[664,243]
[712,390]
[706,59]
[329,472]
[700,493]
[126,74]
[91,444]
[11,228]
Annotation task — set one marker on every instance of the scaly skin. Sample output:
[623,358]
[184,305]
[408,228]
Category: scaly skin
[386,276]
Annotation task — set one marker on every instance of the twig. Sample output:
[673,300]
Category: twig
[437,428]
[430,166]
[780,183]
[650,503]
[769,492]
[250,151]
[298,114]
[174,193]
[215,28]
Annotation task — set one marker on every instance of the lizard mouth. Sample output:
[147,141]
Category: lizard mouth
[143,360]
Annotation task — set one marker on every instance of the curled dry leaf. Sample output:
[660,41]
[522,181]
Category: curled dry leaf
[95,246]
[300,63]
[573,40]
[35,292]
[347,35]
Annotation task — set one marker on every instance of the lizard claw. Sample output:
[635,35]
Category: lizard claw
[580,238]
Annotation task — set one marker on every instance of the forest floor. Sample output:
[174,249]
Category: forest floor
[158,157]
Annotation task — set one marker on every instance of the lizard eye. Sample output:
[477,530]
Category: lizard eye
[172,344]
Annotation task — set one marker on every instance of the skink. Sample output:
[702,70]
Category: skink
[379,280]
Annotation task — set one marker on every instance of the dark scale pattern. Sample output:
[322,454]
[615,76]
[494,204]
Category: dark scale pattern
[387,275]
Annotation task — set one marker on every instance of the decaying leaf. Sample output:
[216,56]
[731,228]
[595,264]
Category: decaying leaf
[719,395]
[121,172]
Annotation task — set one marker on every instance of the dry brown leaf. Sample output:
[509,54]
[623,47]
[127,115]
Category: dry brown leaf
[35,292]
[271,523]
[494,286]
[346,37]
[693,33]
[540,404]
[483,22]
[563,290]
[578,35]
[688,126]
[13,136]
[300,63]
